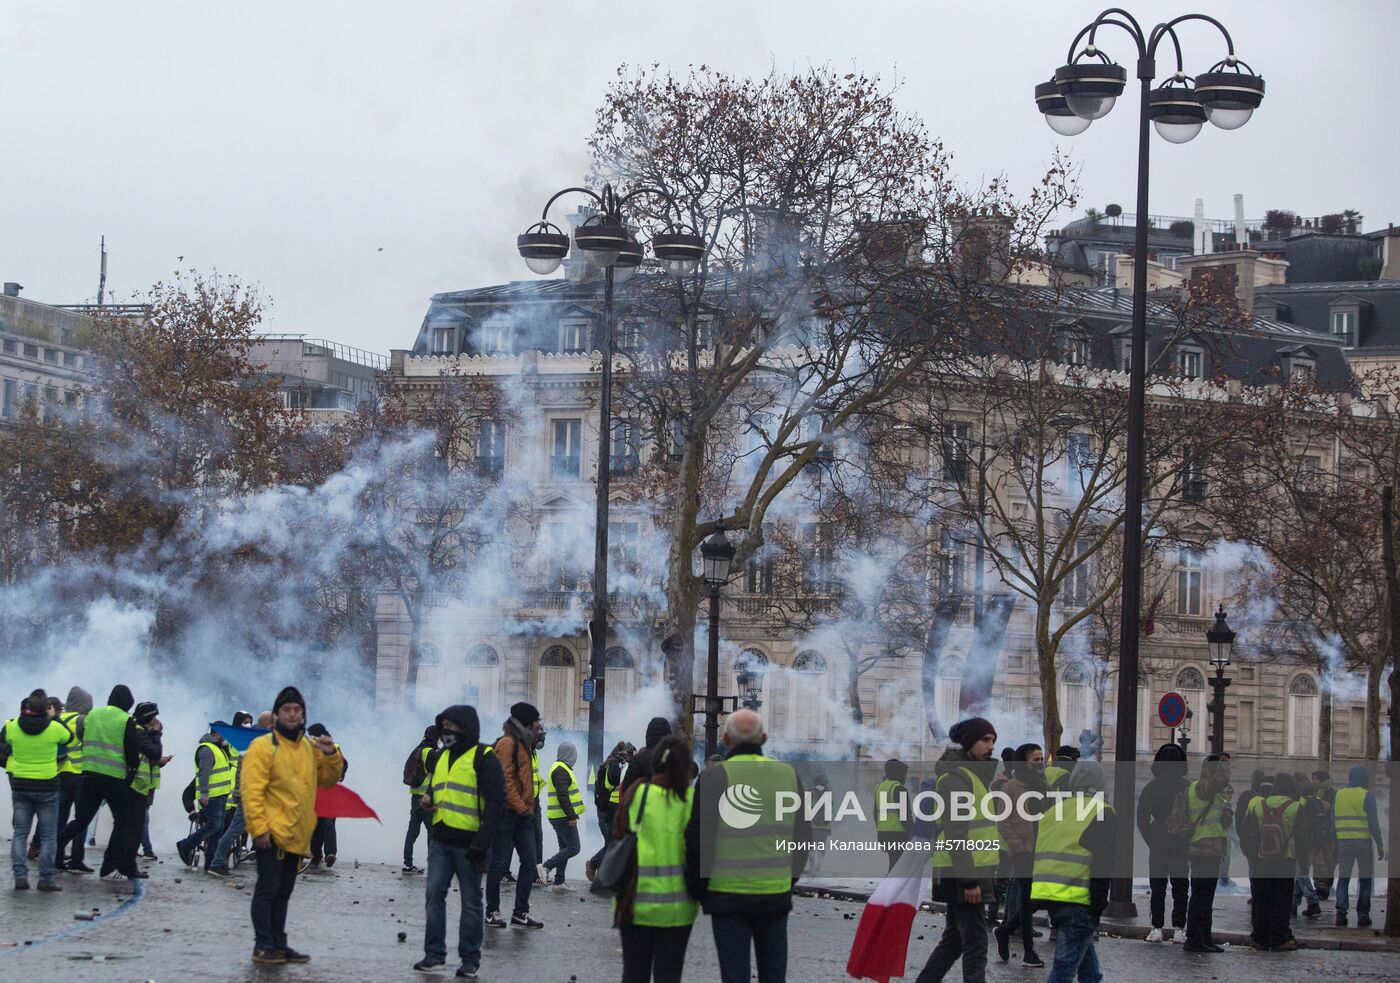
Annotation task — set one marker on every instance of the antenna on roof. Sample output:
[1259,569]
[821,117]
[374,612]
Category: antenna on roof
[102,275]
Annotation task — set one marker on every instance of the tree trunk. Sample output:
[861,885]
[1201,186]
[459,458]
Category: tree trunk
[683,591]
[934,643]
[1391,654]
[853,698]
[1046,651]
[1324,716]
[1375,668]
[415,639]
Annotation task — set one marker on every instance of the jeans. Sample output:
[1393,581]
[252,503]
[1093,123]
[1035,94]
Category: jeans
[137,810]
[1181,890]
[415,826]
[146,831]
[1303,888]
[568,847]
[1271,885]
[212,816]
[605,825]
[95,790]
[1200,907]
[766,934]
[323,841]
[446,861]
[70,787]
[1074,946]
[965,936]
[29,807]
[1356,852]
[277,876]
[1020,914]
[235,828]
[516,832]
[653,955]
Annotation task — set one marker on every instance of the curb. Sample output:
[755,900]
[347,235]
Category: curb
[1130,930]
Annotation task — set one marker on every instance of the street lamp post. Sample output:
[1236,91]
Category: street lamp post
[1221,641]
[1082,91]
[606,243]
[717,556]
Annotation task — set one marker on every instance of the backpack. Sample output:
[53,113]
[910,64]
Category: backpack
[414,774]
[1272,837]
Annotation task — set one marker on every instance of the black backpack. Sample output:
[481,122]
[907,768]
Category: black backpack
[414,774]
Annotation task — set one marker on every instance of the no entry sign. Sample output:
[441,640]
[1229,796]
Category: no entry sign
[1172,709]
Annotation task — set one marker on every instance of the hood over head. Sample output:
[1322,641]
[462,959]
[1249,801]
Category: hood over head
[1359,776]
[146,712]
[567,753]
[1087,778]
[465,717]
[121,698]
[1169,762]
[1287,786]
[79,700]
[896,769]
[658,728]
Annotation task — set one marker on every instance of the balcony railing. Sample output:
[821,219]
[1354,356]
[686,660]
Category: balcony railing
[564,466]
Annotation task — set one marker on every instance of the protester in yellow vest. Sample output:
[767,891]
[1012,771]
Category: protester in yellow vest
[565,810]
[1070,876]
[281,772]
[740,874]
[654,915]
[31,743]
[415,793]
[965,863]
[70,771]
[607,793]
[892,818]
[1269,835]
[1356,824]
[146,778]
[465,800]
[1201,816]
[213,787]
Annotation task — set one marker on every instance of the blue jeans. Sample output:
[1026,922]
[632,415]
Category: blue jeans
[516,832]
[146,833]
[445,862]
[1303,888]
[29,806]
[765,934]
[415,825]
[569,846]
[211,824]
[232,832]
[1356,852]
[1074,946]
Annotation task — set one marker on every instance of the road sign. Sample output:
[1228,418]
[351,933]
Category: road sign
[589,686]
[1172,709]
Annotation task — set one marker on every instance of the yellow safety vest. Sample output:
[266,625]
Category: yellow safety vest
[104,747]
[887,818]
[614,791]
[147,777]
[456,801]
[1209,817]
[1054,774]
[221,774]
[556,808]
[1349,820]
[1292,808]
[72,763]
[748,861]
[661,900]
[235,760]
[539,778]
[1062,864]
[427,779]
[982,831]
[34,755]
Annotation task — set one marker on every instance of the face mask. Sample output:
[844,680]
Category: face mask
[448,738]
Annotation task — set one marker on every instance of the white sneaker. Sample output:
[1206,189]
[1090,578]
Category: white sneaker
[1155,935]
[542,873]
[561,889]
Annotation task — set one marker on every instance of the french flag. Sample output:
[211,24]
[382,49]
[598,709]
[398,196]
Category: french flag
[882,937]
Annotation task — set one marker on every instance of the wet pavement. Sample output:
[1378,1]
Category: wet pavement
[184,925]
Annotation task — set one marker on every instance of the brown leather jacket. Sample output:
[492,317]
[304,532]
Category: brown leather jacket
[513,751]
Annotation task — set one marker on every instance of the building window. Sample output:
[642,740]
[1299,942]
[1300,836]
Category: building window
[444,341]
[1079,583]
[1344,326]
[629,335]
[494,338]
[1076,702]
[818,556]
[573,336]
[957,441]
[1125,355]
[807,696]
[31,351]
[1309,471]
[1190,363]
[951,569]
[558,686]
[1080,460]
[1302,371]
[704,331]
[1191,684]
[482,687]
[676,448]
[1193,476]
[623,544]
[564,459]
[1188,581]
[947,691]
[491,448]
[555,553]
[758,432]
[620,675]
[1244,726]
[758,575]
[1303,707]
[625,451]
[8,399]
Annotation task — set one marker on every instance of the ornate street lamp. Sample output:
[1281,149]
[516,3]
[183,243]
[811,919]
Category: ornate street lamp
[606,244]
[1089,85]
[1220,639]
[716,558]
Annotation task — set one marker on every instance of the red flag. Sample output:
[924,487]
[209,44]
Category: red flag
[882,937]
[339,802]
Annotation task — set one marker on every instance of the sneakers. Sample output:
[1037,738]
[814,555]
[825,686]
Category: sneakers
[561,888]
[330,860]
[218,870]
[1342,919]
[1313,910]
[21,884]
[1364,921]
[1290,946]
[1032,959]
[1207,947]
[78,868]
[542,873]
[589,870]
[137,875]
[429,963]
[149,855]
[466,973]
[295,957]
[411,869]
[49,885]
[186,852]
[508,877]
[1155,935]
[522,919]
[270,957]
[1003,944]
[494,920]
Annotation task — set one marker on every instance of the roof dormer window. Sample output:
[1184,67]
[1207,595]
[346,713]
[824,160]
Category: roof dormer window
[1190,363]
[1344,319]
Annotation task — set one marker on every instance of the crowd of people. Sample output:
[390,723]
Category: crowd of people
[483,804]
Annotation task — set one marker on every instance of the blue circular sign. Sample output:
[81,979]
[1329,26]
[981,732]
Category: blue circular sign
[1172,709]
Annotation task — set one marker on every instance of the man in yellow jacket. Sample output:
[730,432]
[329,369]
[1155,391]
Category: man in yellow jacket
[281,772]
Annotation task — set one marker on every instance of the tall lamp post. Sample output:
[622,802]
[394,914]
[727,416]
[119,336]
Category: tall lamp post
[1080,92]
[1220,639]
[717,556]
[606,244]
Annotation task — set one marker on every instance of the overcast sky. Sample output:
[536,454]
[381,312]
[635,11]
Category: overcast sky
[355,158]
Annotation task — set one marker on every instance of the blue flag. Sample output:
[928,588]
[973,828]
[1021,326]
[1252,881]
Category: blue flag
[238,737]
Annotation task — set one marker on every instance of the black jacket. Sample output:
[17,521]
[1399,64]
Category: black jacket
[708,789]
[490,784]
[952,779]
[640,770]
[1154,808]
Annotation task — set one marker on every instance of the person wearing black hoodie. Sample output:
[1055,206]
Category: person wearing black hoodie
[640,767]
[32,741]
[415,815]
[459,835]
[1166,852]
[111,755]
[607,793]
[70,768]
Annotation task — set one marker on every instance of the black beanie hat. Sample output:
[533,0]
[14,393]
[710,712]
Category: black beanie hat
[120,698]
[968,732]
[289,694]
[145,713]
[525,713]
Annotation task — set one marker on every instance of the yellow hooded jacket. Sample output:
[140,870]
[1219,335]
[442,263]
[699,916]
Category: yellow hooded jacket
[280,778]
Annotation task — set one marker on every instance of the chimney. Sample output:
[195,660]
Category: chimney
[1232,275]
[1241,233]
[894,242]
[1390,256]
[776,239]
[982,245]
[1204,243]
[12,289]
